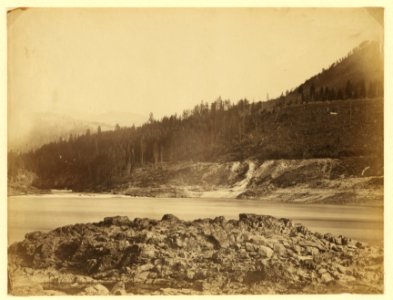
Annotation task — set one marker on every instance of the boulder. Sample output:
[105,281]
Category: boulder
[34,235]
[279,249]
[119,289]
[265,252]
[249,247]
[95,290]
[326,277]
[170,218]
[118,221]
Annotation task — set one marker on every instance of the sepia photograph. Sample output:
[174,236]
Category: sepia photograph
[195,151]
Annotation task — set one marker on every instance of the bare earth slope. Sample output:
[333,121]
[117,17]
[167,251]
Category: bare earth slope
[350,180]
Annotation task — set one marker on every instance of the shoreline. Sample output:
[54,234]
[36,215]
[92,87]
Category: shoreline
[71,194]
[324,180]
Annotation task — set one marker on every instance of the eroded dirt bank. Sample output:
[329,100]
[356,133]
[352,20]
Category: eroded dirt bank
[351,180]
[255,254]
[340,181]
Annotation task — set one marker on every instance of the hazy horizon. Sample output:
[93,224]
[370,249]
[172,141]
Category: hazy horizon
[89,61]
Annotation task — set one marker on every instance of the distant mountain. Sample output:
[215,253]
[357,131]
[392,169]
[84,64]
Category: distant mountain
[49,127]
[44,128]
[124,119]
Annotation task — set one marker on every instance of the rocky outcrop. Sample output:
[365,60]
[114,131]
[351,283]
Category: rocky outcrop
[255,254]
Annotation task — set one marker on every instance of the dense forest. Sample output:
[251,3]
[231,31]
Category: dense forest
[324,117]
[357,75]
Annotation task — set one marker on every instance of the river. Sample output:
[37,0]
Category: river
[45,212]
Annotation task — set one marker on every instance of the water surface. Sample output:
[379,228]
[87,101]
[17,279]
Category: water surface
[45,212]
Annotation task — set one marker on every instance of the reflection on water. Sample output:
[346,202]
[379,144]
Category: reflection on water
[45,212]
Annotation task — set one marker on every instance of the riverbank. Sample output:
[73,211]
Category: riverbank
[255,254]
[350,180]
[331,181]
[357,191]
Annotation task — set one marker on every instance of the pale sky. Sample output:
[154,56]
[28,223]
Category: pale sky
[76,61]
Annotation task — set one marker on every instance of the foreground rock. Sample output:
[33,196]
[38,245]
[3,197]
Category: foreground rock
[252,255]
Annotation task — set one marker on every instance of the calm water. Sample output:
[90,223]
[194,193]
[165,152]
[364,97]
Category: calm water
[45,212]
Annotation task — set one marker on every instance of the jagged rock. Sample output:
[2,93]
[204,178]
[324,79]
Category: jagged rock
[201,256]
[33,235]
[170,218]
[312,250]
[118,221]
[249,247]
[265,251]
[146,267]
[279,249]
[190,274]
[219,220]
[326,277]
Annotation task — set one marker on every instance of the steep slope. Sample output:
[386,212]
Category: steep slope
[358,75]
[341,128]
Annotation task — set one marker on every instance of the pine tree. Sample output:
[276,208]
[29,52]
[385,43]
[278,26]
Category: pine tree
[348,90]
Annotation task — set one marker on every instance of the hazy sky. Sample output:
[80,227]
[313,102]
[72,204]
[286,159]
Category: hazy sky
[167,60]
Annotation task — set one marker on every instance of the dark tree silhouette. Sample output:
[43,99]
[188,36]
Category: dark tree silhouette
[349,93]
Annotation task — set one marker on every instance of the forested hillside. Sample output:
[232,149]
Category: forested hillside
[338,113]
[357,75]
